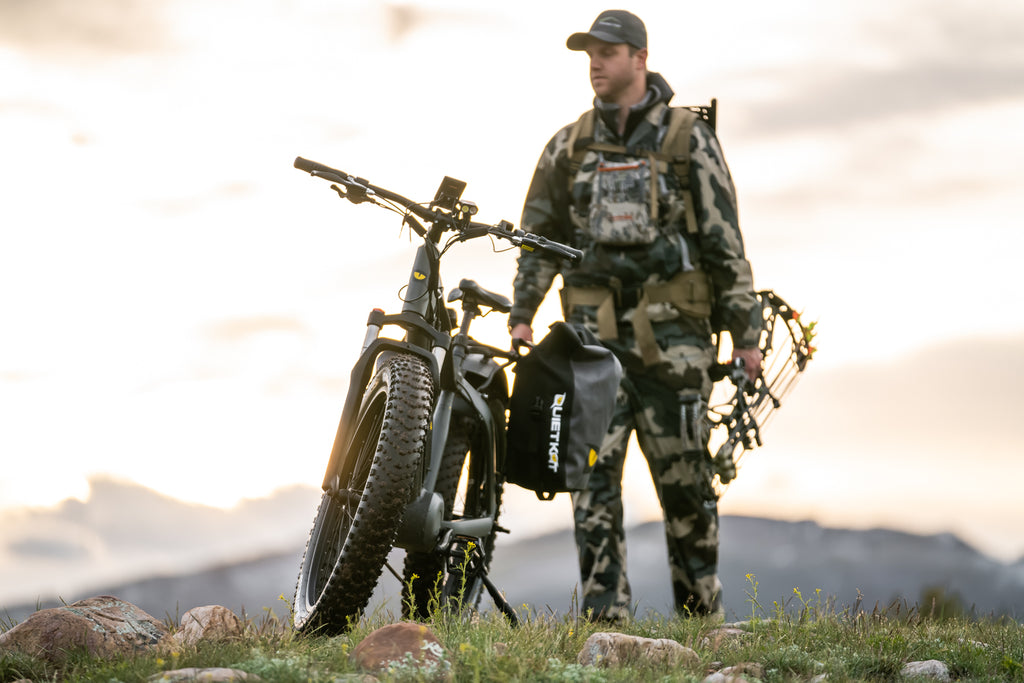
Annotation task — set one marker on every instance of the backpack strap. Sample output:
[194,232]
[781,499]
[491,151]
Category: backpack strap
[675,149]
[581,135]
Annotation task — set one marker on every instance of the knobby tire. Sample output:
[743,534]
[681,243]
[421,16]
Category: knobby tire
[355,526]
[426,583]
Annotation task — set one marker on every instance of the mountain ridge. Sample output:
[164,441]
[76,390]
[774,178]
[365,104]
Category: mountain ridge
[851,568]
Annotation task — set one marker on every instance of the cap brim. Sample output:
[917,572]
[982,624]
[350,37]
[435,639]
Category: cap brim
[578,41]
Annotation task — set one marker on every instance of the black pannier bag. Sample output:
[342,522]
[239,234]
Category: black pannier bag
[562,401]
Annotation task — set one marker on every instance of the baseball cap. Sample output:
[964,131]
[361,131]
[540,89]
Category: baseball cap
[612,26]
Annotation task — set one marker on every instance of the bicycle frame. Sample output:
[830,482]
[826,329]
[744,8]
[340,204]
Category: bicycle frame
[420,318]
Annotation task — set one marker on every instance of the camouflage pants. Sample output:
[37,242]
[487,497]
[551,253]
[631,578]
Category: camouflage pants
[648,402]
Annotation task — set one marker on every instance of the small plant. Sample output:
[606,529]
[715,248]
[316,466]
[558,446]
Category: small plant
[751,592]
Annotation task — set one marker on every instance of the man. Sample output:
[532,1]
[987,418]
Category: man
[658,277]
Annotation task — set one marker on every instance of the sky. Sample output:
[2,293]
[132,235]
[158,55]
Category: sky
[179,307]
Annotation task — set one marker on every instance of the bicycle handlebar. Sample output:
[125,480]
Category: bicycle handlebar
[360,190]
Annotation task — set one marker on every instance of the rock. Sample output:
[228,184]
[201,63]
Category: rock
[103,627]
[211,622]
[738,673]
[616,649]
[719,677]
[404,646]
[748,669]
[931,668]
[718,637]
[214,675]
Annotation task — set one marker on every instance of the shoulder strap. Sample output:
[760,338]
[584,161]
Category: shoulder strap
[583,129]
[675,149]
[675,146]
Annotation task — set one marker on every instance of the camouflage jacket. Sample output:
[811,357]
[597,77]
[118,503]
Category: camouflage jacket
[554,211]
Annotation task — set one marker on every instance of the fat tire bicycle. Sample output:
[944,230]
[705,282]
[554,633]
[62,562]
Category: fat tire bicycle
[418,458]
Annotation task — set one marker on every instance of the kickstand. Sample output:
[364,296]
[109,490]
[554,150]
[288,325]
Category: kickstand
[499,600]
[477,569]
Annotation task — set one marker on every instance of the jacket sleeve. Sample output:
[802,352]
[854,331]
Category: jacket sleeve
[736,309]
[546,213]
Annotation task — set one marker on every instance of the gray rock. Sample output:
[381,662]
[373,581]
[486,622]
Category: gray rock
[931,668]
[104,627]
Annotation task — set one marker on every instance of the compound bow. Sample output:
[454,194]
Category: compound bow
[786,345]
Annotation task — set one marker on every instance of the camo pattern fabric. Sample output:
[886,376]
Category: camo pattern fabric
[648,400]
[648,403]
[716,248]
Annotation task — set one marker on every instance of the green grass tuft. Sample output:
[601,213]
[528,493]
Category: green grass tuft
[806,637]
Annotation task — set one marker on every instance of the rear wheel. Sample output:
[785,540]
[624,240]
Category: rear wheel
[356,523]
[431,580]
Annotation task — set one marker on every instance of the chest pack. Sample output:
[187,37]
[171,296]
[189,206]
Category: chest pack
[563,397]
[624,206]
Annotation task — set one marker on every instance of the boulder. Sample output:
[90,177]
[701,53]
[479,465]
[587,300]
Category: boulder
[211,622]
[615,649]
[402,647]
[103,626]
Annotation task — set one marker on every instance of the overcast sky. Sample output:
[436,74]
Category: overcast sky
[180,307]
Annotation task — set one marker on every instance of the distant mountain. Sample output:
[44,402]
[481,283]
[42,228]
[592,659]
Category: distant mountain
[880,565]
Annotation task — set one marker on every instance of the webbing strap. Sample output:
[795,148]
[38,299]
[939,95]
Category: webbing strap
[689,292]
[601,297]
[676,146]
[644,333]
[582,129]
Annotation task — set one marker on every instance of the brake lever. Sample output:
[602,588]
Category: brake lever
[356,189]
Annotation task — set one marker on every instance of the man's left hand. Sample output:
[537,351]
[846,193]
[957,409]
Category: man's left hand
[751,361]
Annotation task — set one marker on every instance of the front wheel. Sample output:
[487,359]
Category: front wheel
[356,523]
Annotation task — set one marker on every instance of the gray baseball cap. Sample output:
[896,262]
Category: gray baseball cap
[612,26]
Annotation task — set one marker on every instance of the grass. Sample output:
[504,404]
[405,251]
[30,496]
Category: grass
[797,641]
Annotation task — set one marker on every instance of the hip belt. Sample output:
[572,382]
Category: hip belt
[689,292]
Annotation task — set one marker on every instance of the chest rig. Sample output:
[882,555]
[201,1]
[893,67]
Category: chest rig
[625,210]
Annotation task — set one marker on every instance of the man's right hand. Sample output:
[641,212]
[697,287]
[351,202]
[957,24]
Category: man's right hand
[523,332]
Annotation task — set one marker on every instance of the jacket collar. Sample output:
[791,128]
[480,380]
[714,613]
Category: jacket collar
[658,91]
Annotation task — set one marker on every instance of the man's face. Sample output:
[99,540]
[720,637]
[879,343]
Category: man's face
[613,71]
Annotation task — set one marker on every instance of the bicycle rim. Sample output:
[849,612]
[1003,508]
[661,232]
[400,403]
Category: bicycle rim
[355,524]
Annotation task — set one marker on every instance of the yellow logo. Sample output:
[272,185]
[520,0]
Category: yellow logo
[593,457]
[418,275]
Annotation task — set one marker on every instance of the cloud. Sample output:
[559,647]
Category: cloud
[239,329]
[838,98]
[124,529]
[919,60]
[949,399]
[62,28]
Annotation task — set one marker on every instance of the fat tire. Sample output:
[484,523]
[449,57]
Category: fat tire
[355,527]
[433,585]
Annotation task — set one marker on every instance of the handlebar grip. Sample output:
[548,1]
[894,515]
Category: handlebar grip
[573,254]
[311,166]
